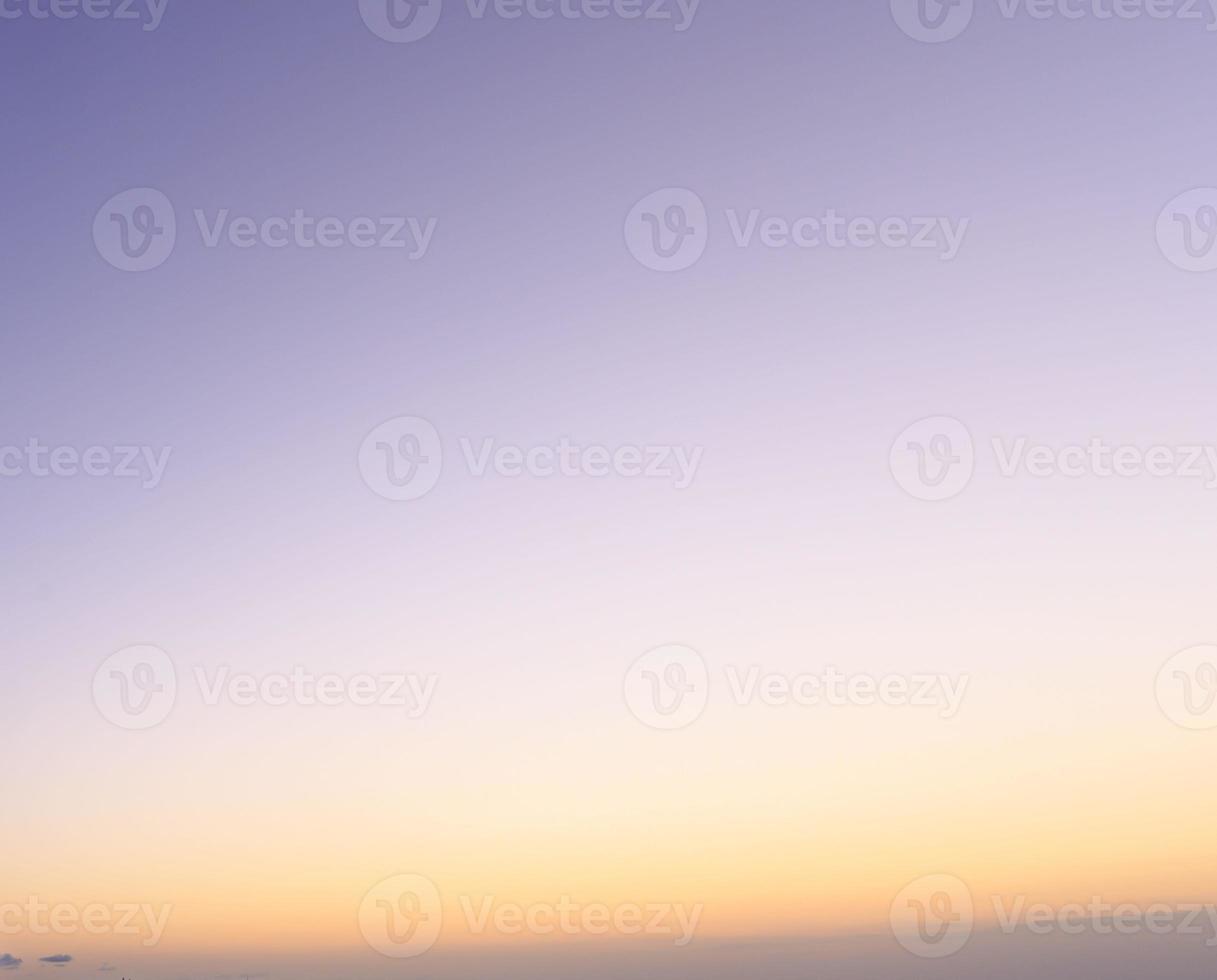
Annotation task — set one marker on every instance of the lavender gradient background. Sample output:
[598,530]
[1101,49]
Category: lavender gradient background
[529,320]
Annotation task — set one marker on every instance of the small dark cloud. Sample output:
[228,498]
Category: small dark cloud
[9,962]
[105,968]
[59,959]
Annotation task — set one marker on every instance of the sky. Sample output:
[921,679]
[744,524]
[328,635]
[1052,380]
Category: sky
[658,489]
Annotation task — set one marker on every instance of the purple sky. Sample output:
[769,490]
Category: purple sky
[508,156]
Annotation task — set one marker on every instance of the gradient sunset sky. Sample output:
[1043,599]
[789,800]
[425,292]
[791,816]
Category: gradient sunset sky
[528,320]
